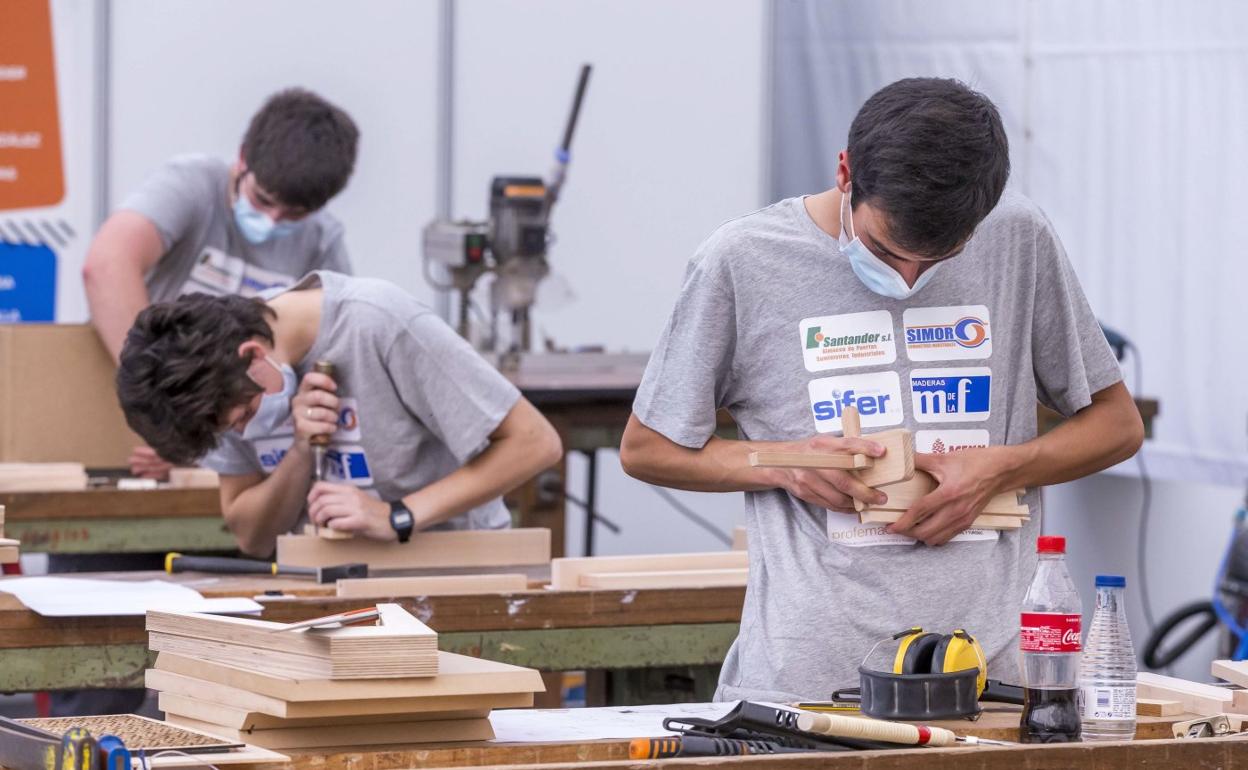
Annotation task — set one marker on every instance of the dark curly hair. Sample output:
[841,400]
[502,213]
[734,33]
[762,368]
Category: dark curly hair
[932,155]
[301,148]
[181,373]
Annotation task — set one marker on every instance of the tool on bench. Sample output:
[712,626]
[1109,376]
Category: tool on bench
[114,753]
[704,746]
[762,722]
[224,565]
[841,726]
[23,747]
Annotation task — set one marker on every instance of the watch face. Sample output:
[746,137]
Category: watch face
[402,519]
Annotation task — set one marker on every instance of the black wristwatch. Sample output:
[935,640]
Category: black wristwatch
[402,520]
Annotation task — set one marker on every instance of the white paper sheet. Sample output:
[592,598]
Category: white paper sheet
[584,724]
[64,597]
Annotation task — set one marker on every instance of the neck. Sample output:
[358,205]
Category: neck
[825,211]
[297,324]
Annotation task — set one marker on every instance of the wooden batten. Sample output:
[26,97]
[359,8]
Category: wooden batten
[439,549]
[569,574]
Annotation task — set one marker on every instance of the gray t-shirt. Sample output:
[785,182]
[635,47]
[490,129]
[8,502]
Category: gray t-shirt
[187,200]
[417,401]
[773,325]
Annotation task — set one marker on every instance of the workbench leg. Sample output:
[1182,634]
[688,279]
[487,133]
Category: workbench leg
[540,503]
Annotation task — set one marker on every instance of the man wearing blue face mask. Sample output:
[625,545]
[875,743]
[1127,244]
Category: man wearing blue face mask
[200,224]
[922,292]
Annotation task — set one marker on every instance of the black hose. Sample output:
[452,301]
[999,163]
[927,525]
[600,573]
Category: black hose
[1155,659]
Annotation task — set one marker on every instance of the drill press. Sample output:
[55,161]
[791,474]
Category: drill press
[512,244]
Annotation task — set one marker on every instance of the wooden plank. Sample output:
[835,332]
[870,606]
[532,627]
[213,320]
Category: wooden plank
[983,521]
[193,478]
[692,578]
[457,675]
[1197,698]
[1239,701]
[739,539]
[434,585]
[111,503]
[213,693]
[349,735]
[1152,707]
[904,494]
[825,460]
[565,574]
[399,646]
[449,548]
[1233,671]
[243,719]
[42,477]
[9,554]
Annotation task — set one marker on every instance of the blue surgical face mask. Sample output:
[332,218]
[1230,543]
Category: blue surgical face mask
[870,269]
[256,226]
[274,408]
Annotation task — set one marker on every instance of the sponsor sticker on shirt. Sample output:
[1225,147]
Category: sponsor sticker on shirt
[939,442]
[951,395]
[845,341]
[947,333]
[219,274]
[876,395]
[844,529]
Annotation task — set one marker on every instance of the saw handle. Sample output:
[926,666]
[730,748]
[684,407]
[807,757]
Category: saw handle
[222,565]
[840,726]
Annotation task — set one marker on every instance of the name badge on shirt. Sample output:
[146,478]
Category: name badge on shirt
[220,274]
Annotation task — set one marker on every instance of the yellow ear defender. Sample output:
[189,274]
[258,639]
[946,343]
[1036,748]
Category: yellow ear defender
[920,652]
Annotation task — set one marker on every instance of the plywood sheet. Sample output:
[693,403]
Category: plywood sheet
[350,735]
[433,585]
[225,715]
[693,578]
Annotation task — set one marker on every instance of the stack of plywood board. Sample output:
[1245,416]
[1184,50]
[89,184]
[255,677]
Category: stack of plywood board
[8,547]
[249,701]
[398,646]
[441,549]
[1002,512]
[42,477]
[675,570]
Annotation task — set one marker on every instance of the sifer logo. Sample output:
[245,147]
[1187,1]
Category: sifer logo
[877,396]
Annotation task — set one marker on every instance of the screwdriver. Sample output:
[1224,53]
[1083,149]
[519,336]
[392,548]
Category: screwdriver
[320,442]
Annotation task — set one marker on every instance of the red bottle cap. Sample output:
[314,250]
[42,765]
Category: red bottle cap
[1051,544]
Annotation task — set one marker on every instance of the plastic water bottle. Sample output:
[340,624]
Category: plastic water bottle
[1049,631]
[1107,678]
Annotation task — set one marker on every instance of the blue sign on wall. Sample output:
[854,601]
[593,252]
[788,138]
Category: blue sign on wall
[27,282]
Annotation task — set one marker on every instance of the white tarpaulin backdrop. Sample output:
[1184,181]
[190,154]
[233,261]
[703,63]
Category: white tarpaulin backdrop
[1127,121]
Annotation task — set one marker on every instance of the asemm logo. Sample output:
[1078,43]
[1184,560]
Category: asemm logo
[968,332]
[951,395]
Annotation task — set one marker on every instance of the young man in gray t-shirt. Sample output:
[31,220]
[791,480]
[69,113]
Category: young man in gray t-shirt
[920,291]
[423,432]
[200,224]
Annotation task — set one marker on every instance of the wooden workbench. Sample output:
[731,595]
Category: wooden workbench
[547,630]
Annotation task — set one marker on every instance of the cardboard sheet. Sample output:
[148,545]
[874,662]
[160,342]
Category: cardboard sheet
[65,597]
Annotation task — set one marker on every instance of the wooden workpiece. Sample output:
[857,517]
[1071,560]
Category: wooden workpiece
[672,571]
[442,548]
[432,585]
[399,645]
[1197,698]
[40,477]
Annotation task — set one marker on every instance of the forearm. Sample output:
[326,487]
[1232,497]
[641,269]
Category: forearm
[505,464]
[721,465]
[1101,435]
[257,515]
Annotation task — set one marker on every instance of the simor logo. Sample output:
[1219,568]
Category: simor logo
[969,332]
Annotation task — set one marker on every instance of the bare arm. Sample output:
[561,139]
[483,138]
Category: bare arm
[522,445]
[126,247]
[722,465]
[258,509]
[1104,433]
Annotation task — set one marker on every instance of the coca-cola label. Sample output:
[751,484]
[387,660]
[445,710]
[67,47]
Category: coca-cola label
[1050,632]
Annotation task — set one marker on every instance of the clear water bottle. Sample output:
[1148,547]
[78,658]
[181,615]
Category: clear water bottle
[1049,636]
[1107,677]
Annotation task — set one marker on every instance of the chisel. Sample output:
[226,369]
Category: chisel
[176,562]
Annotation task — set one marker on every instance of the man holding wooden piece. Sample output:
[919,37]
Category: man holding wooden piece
[923,294]
[424,432]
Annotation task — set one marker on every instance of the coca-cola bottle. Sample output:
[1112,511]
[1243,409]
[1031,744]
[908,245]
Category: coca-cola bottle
[1049,637]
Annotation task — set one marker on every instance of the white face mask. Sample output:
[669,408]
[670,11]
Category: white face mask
[256,226]
[274,407]
[870,269]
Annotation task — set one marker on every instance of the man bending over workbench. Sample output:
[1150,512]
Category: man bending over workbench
[922,293]
[419,422]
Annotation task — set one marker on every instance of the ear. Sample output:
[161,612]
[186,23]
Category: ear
[842,171]
[251,350]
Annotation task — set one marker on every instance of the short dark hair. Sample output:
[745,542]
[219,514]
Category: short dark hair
[181,373]
[301,148]
[932,155]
